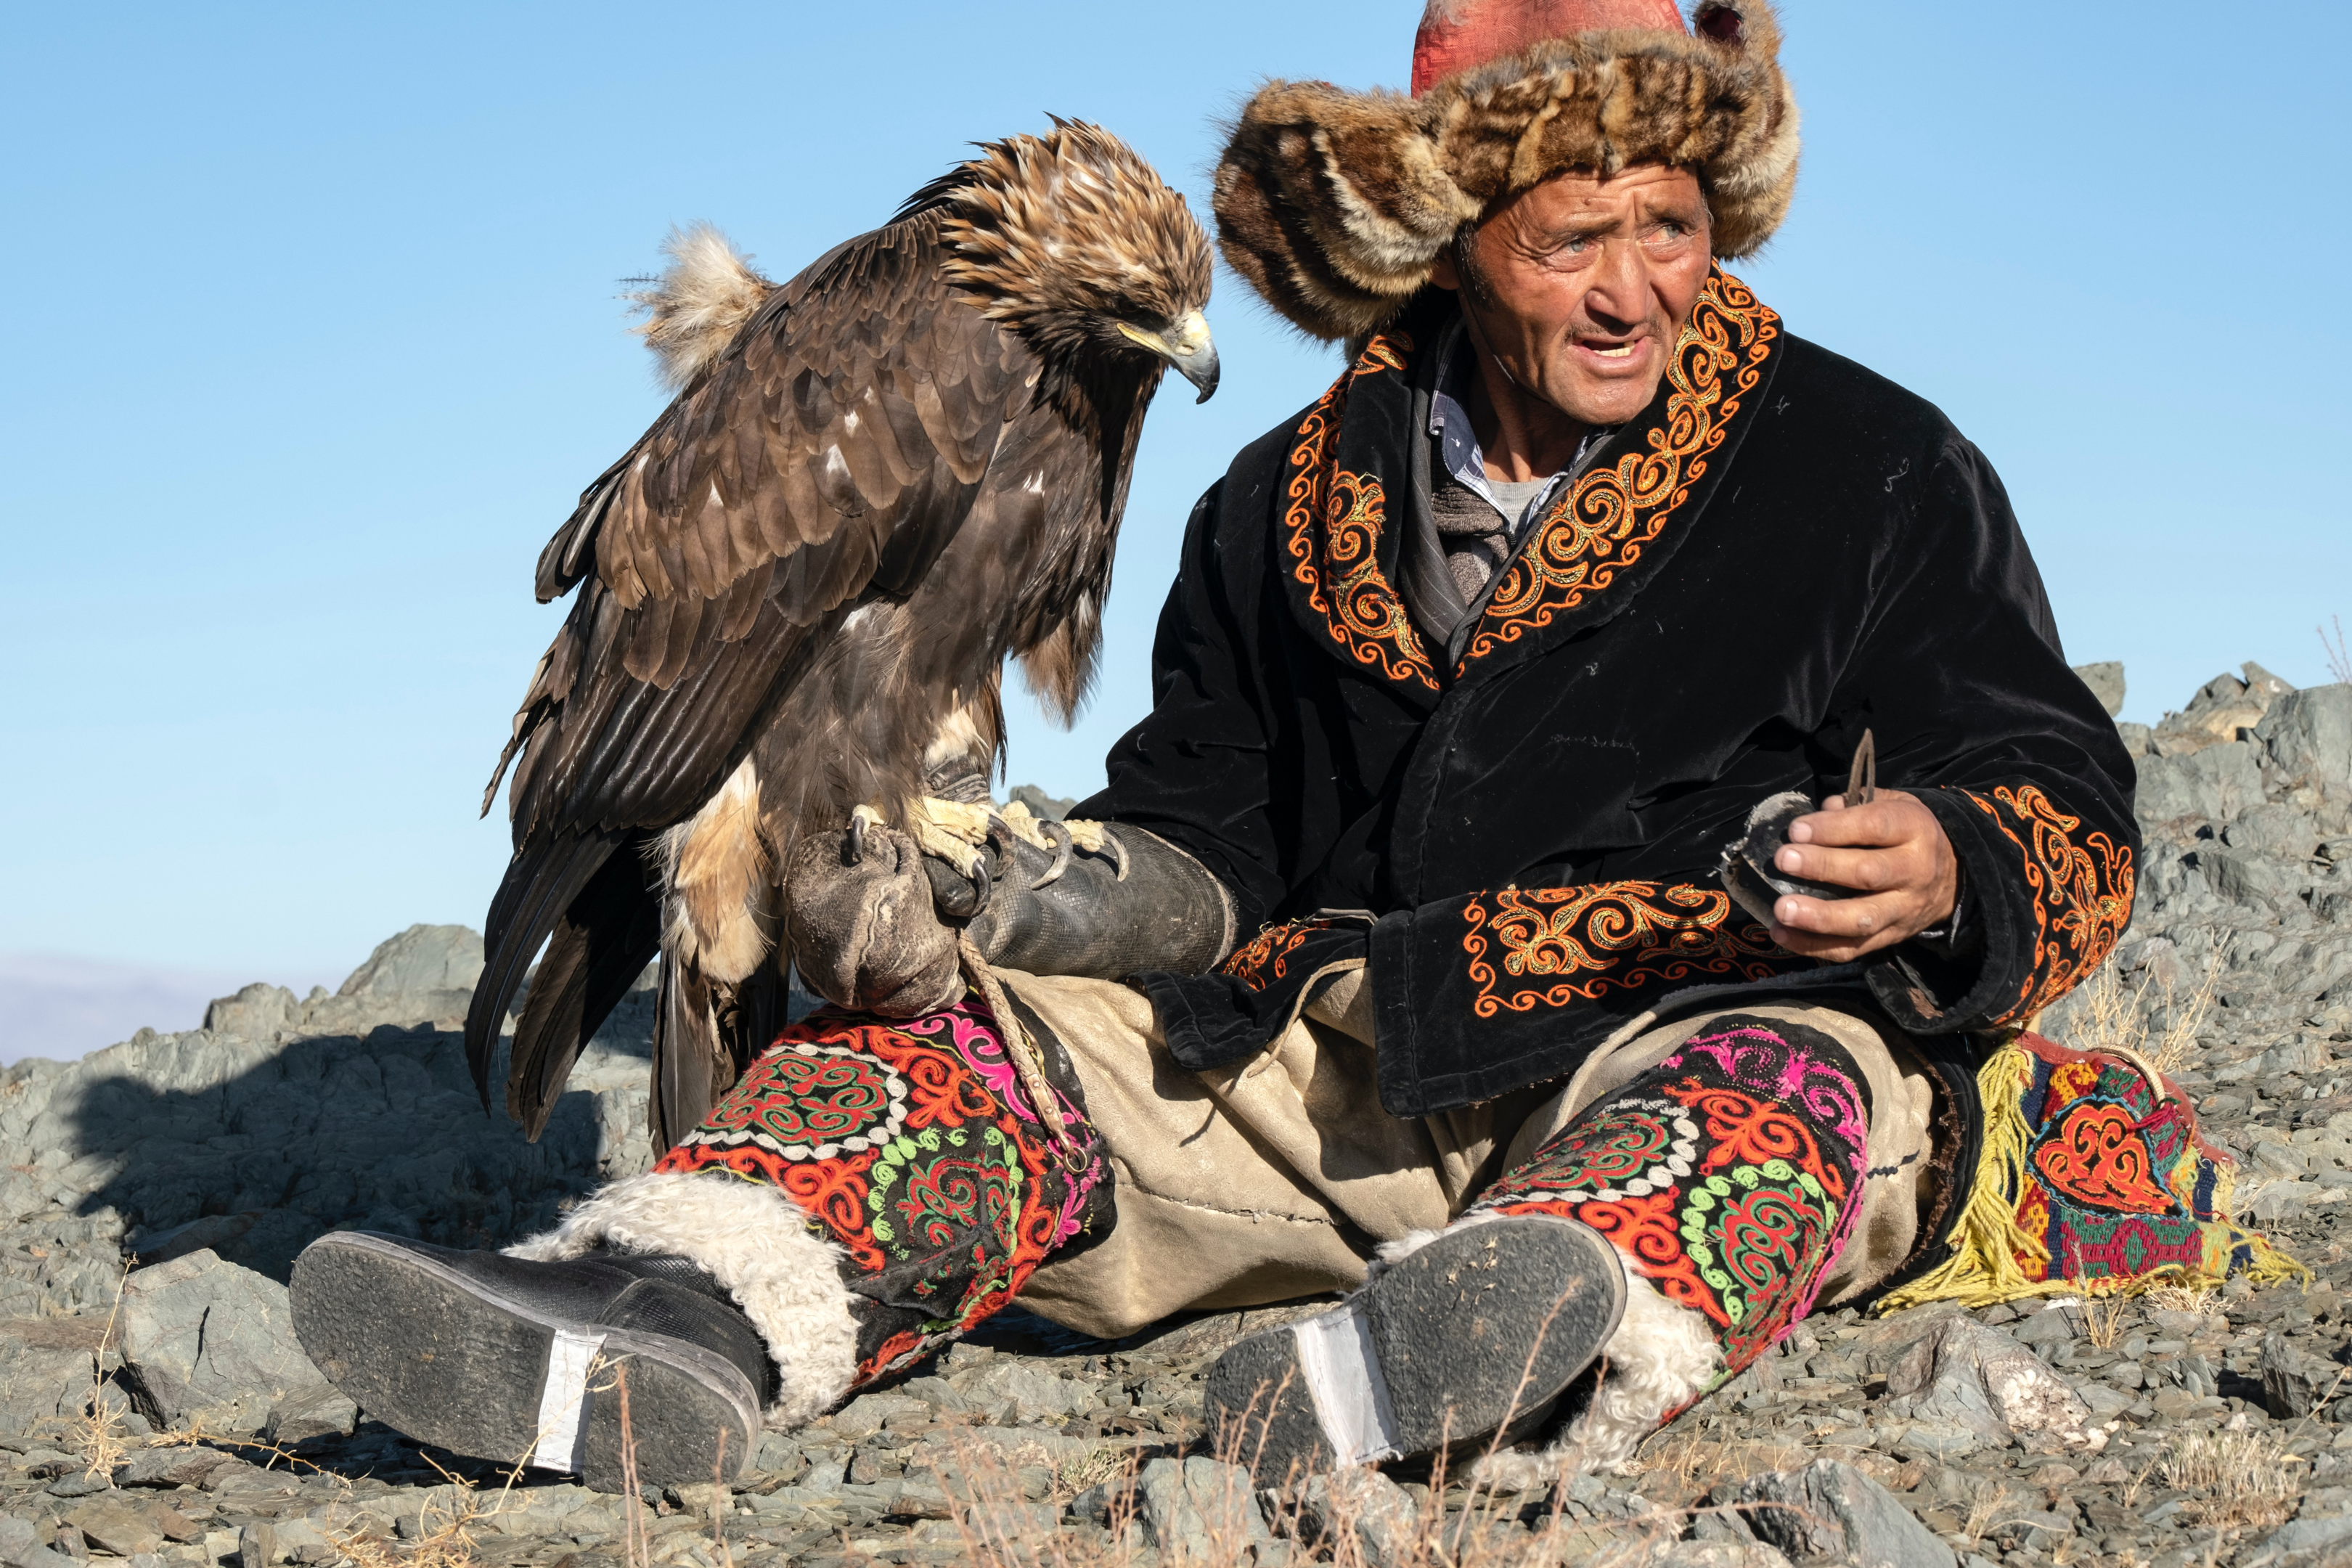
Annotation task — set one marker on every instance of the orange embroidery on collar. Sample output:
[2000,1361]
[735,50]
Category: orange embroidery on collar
[1622,935]
[2082,897]
[1341,569]
[1612,514]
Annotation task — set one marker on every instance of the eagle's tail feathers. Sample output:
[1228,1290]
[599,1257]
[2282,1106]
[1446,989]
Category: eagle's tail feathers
[540,882]
[607,936]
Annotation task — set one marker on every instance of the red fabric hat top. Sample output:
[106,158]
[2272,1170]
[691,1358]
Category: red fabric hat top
[1456,34]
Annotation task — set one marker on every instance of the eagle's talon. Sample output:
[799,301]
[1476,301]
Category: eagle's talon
[1117,853]
[1062,846]
[855,850]
[982,887]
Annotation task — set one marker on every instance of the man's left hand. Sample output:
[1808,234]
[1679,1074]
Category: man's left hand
[1893,850]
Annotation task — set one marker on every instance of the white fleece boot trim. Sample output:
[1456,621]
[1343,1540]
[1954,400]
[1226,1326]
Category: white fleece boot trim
[753,1240]
[1662,1357]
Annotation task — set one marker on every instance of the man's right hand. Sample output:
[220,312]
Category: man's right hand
[864,931]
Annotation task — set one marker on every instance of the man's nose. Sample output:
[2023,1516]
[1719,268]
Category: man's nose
[1617,290]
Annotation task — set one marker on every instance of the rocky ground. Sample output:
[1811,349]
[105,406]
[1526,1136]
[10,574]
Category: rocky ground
[165,1414]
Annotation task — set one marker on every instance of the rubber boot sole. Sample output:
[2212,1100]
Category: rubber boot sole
[1477,1330]
[450,1362]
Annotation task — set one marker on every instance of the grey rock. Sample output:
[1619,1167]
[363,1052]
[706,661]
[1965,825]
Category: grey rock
[1713,1554]
[256,1013]
[46,1372]
[1833,1512]
[23,1546]
[1198,1507]
[169,1467]
[421,958]
[200,1334]
[2106,683]
[206,1232]
[257,1546]
[1039,802]
[117,1525]
[866,1414]
[1964,1373]
[1033,1391]
[2293,1382]
[2051,1327]
[2301,1542]
[1364,1505]
[77,1485]
[2243,878]
[313,1411]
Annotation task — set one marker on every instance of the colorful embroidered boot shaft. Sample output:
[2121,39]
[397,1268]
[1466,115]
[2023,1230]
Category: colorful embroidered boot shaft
[2091,1178]
[913,1146]
[1730,1174]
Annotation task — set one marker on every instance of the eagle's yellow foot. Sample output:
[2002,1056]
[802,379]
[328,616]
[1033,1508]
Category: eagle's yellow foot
[958,833]
[951,830]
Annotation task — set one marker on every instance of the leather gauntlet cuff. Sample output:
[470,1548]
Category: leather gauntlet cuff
[1139,903]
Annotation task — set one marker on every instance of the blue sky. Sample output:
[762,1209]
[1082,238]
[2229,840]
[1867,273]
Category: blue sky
[316,337]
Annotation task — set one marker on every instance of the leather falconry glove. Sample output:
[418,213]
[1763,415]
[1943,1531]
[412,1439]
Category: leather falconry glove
[864,933]
[874,914]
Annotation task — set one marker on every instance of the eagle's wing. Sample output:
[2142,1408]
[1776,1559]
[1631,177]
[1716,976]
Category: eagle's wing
[834,448]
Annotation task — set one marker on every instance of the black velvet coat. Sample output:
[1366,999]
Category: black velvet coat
[1783,551]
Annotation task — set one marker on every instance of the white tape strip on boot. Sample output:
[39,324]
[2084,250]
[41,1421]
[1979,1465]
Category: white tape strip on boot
[1352,1399]
[563,1406]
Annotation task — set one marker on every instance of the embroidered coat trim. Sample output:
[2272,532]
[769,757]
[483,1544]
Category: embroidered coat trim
[1612,514]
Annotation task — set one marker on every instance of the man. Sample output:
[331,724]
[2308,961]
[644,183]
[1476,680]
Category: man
[1471,673]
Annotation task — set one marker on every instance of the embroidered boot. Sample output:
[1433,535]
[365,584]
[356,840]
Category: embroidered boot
[520,1361]
[865,1192]
[1729,1176]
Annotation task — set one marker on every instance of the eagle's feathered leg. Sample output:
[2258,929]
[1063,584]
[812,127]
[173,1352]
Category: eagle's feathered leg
[603,941]
[721,982]
[719,883]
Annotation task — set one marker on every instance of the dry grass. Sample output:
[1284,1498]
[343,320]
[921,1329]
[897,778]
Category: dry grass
[446,1542]
[446,1539]
[2184,1018]
[1986,1514]
[2115,1018]
[2185,1295]
[2340,660]
[2103,1318]
[100,1435]
[2236,1478]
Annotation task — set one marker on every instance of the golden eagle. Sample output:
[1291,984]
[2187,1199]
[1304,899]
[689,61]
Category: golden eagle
[798,588]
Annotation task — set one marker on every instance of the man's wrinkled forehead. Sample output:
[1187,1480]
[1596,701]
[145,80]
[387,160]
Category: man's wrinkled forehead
[1579,202]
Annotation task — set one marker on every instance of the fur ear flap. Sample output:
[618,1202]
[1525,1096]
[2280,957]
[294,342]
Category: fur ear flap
[699,303]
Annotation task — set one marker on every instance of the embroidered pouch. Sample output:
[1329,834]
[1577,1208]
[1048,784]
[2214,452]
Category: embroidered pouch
[2093,1178]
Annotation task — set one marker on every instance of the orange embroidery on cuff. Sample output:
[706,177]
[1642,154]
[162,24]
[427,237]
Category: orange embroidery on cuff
[1260,962]
[1612,514]
[2080,897]
[1340,566]
[1621,934]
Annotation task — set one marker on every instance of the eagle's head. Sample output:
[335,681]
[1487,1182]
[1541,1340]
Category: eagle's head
[1076,244]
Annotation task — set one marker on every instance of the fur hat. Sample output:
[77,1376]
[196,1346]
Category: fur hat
[1335,205]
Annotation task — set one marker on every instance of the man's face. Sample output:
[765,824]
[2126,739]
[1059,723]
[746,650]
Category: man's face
[1579,286]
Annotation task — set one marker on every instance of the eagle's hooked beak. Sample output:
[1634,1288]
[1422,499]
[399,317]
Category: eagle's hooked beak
[1184,343]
